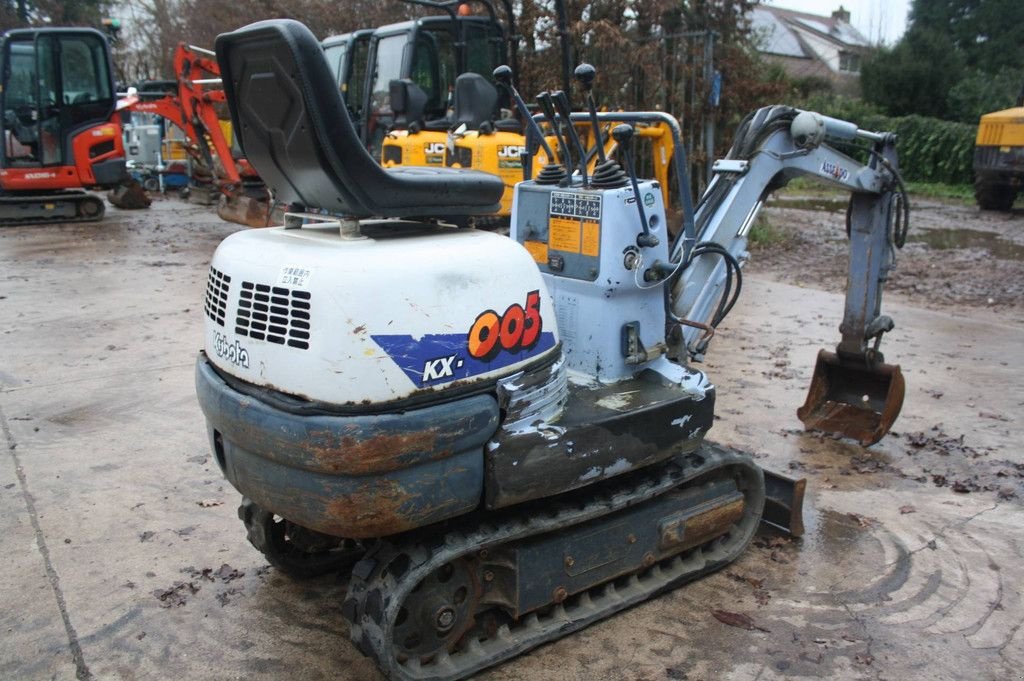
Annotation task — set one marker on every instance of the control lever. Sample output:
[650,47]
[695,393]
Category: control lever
[585,74]
[623,135]
[565,111]
[552,173]
[607,173]
[544,99]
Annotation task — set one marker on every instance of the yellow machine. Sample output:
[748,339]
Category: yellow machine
[999,157]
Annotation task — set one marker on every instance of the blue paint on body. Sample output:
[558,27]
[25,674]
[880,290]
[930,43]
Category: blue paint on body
[439,358]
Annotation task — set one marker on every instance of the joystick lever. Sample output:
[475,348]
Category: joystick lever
[565,111]
[546,105]
[623,135]
[552,173]
[585,74]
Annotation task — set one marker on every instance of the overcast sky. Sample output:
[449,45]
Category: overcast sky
[884,20]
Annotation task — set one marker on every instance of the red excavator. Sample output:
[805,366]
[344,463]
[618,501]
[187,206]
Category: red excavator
[191,103]
[61,134]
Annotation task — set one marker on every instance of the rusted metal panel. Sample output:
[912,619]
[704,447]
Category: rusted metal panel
[853,398]
[350,476]
[359,507]
[345,445]
[605,431]
[560,564]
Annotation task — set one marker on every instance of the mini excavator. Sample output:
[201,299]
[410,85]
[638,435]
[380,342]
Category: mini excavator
[61,132]
[502,439]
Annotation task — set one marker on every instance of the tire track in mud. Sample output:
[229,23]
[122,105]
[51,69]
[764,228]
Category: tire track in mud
[910,582]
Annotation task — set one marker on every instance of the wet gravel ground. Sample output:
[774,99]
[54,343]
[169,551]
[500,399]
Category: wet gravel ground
[124,558]
[956,258]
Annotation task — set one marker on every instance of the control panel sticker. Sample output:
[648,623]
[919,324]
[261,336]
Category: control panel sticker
[564,234]
[574,223]
[591,238]
[576,205]
[538,250]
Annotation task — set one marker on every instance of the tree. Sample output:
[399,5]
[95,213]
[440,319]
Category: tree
[914,76]
[980,93]
[23,13]
[986,32]
[953,62]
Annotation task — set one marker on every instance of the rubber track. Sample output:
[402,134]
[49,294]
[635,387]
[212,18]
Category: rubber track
[386,576]
[14,200]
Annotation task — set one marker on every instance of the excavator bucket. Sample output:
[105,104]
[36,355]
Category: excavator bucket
[853,399]
[250,211]
[129,195]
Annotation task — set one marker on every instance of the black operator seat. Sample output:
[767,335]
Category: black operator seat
[475,100]
[290,121]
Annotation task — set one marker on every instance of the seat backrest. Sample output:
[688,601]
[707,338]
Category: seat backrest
[475,100]
[291,123]
[408,101]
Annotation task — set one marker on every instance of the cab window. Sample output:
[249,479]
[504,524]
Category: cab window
[433,69]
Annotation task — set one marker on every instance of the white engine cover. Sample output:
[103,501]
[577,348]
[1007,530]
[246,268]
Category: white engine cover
[374,320]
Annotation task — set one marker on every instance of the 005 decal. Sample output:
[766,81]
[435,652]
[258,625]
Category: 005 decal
[494,341]
[517,329]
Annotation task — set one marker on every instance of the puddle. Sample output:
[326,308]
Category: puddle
[810,203]
[946,239]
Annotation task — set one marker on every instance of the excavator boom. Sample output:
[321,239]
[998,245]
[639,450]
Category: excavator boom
[853,392]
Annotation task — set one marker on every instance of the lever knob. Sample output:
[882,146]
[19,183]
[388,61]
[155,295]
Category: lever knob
[585,74]
[622,133]
[503,74]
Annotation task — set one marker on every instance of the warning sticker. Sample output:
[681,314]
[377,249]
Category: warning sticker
[564,234]
[539,251]
[591,238]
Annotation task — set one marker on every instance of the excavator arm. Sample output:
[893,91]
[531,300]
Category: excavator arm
[853,391]
[192,107]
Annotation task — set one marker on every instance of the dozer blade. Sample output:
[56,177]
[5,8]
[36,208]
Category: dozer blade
[853,399]
[249,211]
[784,503]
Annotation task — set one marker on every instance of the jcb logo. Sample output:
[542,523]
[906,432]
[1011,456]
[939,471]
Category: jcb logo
[511,151]
[433,148]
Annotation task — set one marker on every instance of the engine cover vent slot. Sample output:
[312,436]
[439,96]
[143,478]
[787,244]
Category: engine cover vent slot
[275,314]
[217,285]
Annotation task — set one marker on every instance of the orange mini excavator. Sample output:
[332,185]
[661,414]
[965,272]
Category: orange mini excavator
[61,134]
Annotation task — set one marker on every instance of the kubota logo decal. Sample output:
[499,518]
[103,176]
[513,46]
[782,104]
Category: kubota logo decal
[494,341]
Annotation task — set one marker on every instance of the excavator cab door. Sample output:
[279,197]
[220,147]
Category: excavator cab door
[56,82]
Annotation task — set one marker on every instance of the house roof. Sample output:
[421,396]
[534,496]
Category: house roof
[779,31]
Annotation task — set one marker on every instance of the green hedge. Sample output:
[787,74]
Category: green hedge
[930,149]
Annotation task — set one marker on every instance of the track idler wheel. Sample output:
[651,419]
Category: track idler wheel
[295,550]
[437,613]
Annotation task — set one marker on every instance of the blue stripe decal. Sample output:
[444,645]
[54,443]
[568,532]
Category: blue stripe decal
[440,358]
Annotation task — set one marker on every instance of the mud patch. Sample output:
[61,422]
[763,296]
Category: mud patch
[943,264]
[950,239]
